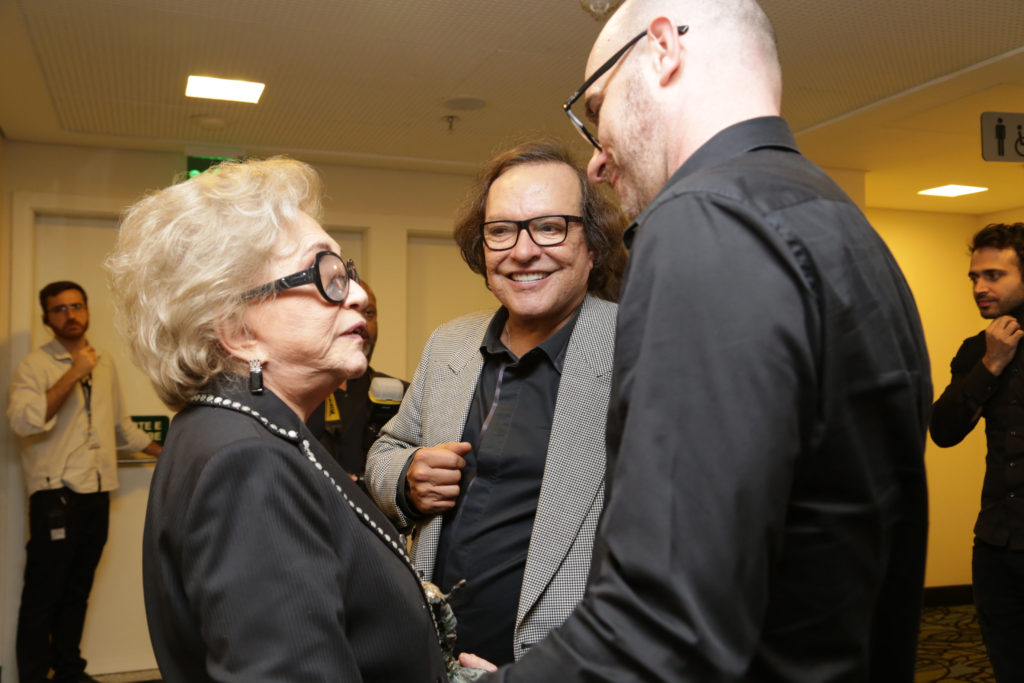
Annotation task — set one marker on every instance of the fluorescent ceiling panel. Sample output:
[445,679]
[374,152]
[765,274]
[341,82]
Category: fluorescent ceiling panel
[223,89]
[953,190]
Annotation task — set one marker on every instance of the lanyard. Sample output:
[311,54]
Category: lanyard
[87,393]
[494,406]
[469,473]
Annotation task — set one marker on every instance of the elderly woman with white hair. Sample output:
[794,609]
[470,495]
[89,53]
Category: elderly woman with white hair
[262,560]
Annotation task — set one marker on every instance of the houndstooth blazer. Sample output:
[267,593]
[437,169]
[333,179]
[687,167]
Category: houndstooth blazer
[435,410]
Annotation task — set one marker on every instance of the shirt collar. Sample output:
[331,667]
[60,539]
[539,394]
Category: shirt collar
[554,347]
[737,139]
[59,351]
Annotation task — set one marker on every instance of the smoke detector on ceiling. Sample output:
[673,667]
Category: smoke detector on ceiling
[600,9]
[464,103]
[209,122]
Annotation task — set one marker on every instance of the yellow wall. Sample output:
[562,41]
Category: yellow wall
[932,251]
[1012,216]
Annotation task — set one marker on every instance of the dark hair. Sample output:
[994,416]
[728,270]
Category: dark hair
[603,222]
[1001,236]
[55,288]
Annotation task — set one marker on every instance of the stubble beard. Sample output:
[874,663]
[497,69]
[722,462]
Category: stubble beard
[72,337]
[989,313]
[1008,304]
[638,157]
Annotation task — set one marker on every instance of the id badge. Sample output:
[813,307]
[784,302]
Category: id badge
[57,521]
[331,412]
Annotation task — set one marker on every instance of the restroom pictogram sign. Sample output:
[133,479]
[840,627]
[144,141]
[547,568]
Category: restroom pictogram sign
[1002,136]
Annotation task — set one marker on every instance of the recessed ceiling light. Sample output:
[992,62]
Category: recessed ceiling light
[953,190]
[223,89]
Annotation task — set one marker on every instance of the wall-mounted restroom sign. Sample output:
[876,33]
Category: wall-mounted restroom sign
[1002,136]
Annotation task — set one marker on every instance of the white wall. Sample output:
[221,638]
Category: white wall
[441,287]
[11,531]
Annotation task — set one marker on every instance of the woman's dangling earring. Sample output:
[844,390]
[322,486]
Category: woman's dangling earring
[255,376]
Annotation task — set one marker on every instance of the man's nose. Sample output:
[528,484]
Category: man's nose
[525,248]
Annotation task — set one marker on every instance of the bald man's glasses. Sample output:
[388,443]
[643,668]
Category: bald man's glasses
[601,70]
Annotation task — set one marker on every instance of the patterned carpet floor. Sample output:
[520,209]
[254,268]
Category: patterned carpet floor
[949,650]
[950,647]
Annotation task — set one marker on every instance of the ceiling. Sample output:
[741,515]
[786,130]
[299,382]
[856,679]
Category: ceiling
[891,87]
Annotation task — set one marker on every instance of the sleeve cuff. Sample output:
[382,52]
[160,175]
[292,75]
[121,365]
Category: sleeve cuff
[980,384]
[402,500]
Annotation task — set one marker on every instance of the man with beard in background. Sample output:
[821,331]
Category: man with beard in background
[66,407]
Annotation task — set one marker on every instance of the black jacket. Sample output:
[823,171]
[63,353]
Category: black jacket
[263,561]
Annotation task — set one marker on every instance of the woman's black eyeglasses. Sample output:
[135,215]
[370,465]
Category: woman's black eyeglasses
[330,273]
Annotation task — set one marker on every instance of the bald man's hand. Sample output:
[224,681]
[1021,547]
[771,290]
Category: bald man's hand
[433,476]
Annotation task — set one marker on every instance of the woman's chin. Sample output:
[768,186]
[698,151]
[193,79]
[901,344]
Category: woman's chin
[353,367]
[361,366]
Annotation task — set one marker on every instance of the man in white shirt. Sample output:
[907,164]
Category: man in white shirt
[66,408]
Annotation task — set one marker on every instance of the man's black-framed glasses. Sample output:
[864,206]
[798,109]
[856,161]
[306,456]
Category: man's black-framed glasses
[601,70]
[330,273]
[545,231]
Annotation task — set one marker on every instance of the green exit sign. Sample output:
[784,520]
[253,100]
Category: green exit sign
[154,425]
[200,164]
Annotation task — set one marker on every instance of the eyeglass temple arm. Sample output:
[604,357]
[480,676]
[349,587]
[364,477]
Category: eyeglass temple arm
[282,283]
[612,61]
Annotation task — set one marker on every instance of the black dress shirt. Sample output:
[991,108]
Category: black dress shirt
[485,538]
[974,392]
[766,515]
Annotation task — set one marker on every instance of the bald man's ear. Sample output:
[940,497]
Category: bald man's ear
[663,37]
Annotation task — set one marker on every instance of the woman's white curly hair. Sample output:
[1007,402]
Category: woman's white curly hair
[186,254]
